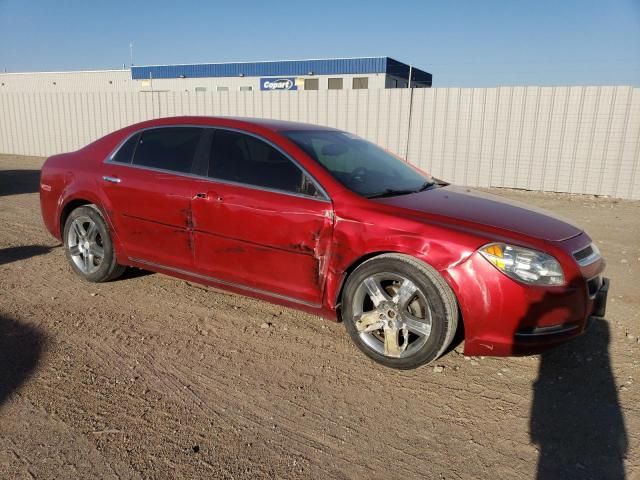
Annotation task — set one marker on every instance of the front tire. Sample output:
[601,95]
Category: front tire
[399,311]
[88,246]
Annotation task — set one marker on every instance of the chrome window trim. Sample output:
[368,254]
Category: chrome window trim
[325,197]
[592,258]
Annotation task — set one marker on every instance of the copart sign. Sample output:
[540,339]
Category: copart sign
[286,83]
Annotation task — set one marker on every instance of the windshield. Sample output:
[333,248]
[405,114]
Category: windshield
[361,166]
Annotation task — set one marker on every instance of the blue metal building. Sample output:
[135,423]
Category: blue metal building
[331,74]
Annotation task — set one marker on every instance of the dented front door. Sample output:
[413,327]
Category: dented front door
[265,241]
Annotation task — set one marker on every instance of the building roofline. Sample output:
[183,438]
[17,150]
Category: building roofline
[263,61]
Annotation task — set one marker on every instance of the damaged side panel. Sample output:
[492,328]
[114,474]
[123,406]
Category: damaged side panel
[354,241]
[264,240]
[152,215]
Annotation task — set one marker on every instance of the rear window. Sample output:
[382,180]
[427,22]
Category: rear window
[125,153]
[168,148]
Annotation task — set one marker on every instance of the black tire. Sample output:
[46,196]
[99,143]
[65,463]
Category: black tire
[100,270]
[435,297]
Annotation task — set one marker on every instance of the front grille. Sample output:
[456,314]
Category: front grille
[582,254]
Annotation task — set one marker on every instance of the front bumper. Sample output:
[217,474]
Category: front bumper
[600,300]
[537,340]
[503,317]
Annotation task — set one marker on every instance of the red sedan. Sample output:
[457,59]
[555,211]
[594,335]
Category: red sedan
[321,220]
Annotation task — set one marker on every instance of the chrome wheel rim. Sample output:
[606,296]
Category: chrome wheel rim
[392,315]
[85,245]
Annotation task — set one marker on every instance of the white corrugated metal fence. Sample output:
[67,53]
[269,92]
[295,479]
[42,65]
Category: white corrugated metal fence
[563,139]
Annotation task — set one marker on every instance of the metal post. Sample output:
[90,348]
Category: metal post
[131,53]
[153,107]
[406,152]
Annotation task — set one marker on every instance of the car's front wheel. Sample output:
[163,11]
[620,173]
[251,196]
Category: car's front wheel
[399,311]
[88,245]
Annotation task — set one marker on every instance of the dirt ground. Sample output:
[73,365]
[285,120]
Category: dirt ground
[153,377]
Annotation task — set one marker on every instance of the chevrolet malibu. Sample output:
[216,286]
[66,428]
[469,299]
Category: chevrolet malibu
[323,221]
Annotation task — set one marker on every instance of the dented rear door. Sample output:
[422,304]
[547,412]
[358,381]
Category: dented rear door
[152,215]
[150,197]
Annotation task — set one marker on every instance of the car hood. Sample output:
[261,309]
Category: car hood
[483,208]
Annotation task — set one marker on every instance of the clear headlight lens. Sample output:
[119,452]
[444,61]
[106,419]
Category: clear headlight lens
[524,264]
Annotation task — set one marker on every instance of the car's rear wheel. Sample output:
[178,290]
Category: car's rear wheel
[88,245]
[399,311]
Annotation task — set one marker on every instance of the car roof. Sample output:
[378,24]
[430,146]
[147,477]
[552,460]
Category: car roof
[240,122]
[279,125]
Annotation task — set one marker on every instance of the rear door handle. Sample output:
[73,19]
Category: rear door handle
[106,178]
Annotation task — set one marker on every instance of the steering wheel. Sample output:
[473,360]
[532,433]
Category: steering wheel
[358,175]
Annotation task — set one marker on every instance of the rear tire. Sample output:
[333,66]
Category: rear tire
[399,311]
[88,246]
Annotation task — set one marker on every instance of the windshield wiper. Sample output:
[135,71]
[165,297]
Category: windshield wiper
[426,186]
[390,192]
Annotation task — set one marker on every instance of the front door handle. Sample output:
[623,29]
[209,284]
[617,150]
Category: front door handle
[109,179]
[207,195]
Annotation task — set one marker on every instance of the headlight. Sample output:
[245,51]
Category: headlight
[524,264]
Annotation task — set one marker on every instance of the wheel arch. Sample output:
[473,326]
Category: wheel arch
[337,297]
[368,256]
[69,207]
[87,199]
[109,257]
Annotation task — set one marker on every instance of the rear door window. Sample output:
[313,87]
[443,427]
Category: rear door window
[168,148]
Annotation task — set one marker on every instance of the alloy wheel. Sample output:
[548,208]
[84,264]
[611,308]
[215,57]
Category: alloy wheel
[391,314]
[85,246]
